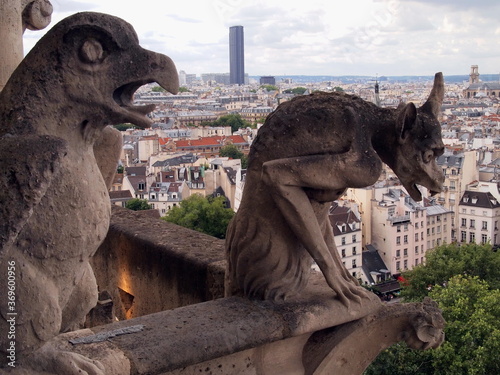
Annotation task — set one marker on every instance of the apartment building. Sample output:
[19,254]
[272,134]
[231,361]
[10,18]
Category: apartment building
[346,225]
[459,168]
[479,215]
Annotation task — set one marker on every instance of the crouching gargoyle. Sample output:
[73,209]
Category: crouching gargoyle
[305,156]
[54,204]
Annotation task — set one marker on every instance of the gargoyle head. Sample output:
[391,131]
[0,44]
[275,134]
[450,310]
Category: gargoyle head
[419,143]
[88,67]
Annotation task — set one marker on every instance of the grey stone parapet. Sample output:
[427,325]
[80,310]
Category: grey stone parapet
[158,265]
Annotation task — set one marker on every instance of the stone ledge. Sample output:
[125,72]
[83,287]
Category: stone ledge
[194,334]
[157,265]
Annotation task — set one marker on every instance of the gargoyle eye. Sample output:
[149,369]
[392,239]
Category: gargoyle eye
[91,51]
[428,156]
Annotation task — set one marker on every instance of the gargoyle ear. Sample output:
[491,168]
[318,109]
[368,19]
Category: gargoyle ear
[436,97]
[91,52]
[406,121]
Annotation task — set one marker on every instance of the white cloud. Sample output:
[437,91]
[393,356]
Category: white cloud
[315,37]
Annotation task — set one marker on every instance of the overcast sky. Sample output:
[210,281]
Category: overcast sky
[312,37]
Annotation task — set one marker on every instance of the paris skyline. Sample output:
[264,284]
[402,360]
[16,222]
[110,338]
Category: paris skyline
[318,37]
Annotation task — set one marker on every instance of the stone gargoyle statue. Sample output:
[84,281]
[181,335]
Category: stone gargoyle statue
[304,157]
[54,204]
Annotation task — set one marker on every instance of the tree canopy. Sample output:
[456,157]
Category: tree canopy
[464,281]
[296,91]
[269,87]
[204,214]
[136,204]
[234,120]
[232,151]
[446,261]
[123,127]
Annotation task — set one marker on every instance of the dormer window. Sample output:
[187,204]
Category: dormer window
[474,200]
[466,199]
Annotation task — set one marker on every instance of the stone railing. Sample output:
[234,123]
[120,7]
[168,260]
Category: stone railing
[180,322]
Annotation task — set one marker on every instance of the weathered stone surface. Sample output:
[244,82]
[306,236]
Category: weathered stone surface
[15,17]
[157,265]
[348,349]
[55,208]
[305,155]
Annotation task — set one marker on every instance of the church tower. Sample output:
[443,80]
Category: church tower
[474,74]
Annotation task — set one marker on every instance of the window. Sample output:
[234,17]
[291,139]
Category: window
[464,222]
[353,238]
[398,228]
[354,250]
[343,240]
[406,264]
[416,249]
[416,225]
[405,252]
[472,237]
[464,210]
[406,227]
[484,238]
[398,265]
[485,225]
[472,223]
[422,236]
[343,253]
[398,253]
[398,240]
[405,239]
[416,262]
[464,236]
[416,236]
[354,263]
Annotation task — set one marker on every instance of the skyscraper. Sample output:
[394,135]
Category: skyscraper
[236,55]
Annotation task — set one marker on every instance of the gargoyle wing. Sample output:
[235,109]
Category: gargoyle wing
[28,164]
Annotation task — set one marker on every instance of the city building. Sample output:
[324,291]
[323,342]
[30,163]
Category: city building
[479,216]
[459,168]
[346,225]
[478,88]
[267,80]
[236,56]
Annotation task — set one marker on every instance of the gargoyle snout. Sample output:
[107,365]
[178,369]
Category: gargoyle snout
[162,70]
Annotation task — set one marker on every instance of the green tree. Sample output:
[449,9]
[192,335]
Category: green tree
[465,281]
[123,127]
[233,120]
[206,215]
[269,87]
[446,261]
[183,89]
[120,169]
[338,89]
[158,89]
[231,151]
[472,313]
[136,204]
[296,91]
